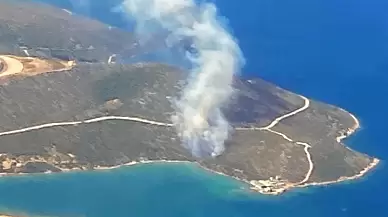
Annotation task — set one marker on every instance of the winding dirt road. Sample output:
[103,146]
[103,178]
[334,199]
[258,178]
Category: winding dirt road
[304,144]
[151,122]
[88,121]
[14,66]
[277,120]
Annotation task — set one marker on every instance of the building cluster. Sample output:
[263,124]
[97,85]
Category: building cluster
[274,185]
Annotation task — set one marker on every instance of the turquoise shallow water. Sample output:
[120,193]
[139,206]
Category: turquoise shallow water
[174,190]
[133,191]
[334,51]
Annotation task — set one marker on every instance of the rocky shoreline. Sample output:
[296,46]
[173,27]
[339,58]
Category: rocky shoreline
[67,162]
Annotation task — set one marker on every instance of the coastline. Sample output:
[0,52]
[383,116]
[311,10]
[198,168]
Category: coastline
[255,185]
[260,186]
[351,130]
[372,165]
[363,172]
[252,186]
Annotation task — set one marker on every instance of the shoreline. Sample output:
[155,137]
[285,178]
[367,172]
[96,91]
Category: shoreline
[351,130]
[372,165]
[251,183]
[254,185]
[342,179]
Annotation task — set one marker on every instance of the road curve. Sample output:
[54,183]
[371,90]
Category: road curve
[277,120]
[151,122]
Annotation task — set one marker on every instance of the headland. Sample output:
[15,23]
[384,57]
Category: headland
[59,116]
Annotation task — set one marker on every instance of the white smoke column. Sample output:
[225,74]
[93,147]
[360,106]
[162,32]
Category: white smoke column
[198,120]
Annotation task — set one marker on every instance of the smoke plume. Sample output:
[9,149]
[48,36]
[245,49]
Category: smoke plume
[199,120]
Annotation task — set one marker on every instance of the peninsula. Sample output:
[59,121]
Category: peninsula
[67,104]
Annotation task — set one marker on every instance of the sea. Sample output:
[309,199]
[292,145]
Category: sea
[335,51]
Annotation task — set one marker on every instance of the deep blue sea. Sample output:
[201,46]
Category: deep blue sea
[334,51]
